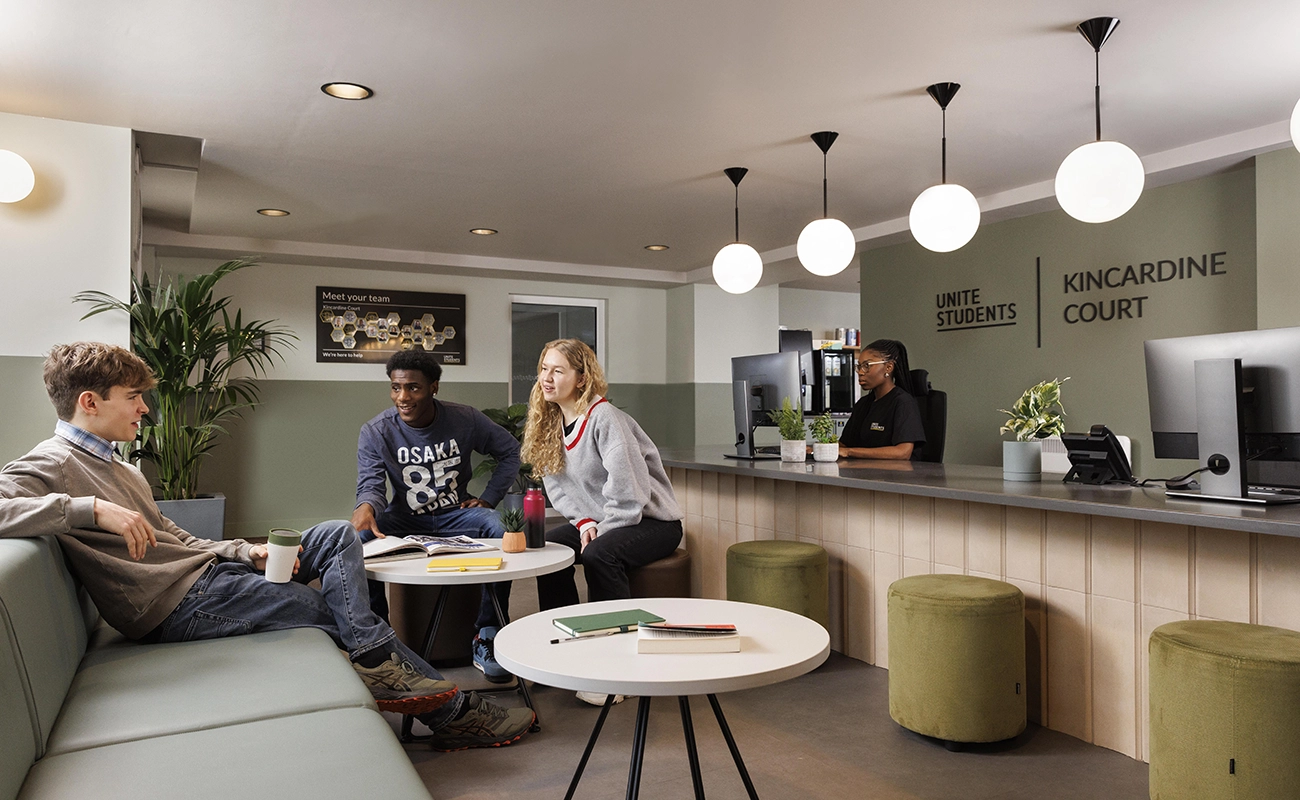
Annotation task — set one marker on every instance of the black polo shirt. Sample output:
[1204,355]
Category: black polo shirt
[893,419]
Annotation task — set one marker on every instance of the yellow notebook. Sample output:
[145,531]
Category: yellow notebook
[463,564]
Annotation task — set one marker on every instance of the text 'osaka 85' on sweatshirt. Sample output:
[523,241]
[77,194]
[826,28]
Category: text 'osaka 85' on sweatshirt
[612,474]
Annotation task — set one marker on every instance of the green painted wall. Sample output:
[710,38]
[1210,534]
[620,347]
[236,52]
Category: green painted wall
[987,368]
[28,415]
[1277,226]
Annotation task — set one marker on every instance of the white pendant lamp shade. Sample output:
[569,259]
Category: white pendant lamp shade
[944,217]
[16,177]
[1099,181]
[826,246]
[737,268]
[1295,126]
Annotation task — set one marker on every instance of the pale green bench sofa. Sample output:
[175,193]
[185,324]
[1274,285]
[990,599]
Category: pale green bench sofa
[85,713]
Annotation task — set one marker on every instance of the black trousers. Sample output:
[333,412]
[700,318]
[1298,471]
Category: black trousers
[606,560]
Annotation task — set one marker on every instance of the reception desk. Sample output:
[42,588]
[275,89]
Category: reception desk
[1100,566]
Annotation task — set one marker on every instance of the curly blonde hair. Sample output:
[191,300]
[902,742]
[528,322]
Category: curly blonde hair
[544,432]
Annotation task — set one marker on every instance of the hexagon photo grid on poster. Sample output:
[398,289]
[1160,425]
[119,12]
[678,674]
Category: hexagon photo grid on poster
[366,326]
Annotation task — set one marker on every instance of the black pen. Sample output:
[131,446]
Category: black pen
[592,636]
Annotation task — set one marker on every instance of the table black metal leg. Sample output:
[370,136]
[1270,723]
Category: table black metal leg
[731,745]
[523,687]
[638,747]
[591,745]
[697,781]
[430,634]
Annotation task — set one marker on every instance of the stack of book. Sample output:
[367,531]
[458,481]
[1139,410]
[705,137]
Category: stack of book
[611,622]
[663,637]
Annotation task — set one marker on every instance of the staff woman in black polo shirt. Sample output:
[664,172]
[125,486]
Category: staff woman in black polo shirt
[885,422]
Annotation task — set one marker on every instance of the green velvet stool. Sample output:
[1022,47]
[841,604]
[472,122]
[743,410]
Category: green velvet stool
[780,574]
[1225,711]
[957,657]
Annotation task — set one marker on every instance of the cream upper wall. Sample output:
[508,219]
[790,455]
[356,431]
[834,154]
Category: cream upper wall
[1277,225]
[636,318]
[71,234]
[728,325]
[819,311]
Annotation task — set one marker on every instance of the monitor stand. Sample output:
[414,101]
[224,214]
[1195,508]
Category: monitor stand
[741,398]
[1252,498]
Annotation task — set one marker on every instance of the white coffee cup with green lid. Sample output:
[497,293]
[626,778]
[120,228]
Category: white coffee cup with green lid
[281,552]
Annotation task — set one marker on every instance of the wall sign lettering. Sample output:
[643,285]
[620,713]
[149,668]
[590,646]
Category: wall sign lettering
[964,310]
[1146,273]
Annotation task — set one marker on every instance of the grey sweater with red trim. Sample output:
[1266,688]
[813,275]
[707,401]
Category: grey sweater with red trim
[612,474]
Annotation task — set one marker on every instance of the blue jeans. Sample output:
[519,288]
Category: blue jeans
[477,523]
[232,598]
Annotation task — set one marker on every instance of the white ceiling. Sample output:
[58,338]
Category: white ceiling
[586,129]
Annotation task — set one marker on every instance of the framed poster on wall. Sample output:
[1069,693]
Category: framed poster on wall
[366,326]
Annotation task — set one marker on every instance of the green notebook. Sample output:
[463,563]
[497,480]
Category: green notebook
[596,624]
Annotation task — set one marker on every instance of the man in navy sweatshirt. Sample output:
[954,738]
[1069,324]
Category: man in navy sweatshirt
[421,447]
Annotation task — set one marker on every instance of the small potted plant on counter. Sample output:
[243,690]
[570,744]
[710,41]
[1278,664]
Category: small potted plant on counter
[1037,415]
[789,421]
[513,521]
[826,445]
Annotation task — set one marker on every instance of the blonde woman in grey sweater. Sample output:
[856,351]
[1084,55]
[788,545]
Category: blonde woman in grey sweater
[601,471]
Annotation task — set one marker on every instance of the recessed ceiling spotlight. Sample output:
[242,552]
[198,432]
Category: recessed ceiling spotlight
[656,247]
[347,91]
[273,212]
[482,231]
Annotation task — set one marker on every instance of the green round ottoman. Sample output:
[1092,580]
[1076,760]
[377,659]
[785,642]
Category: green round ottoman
[780,574]
[957,657]
[1225,710]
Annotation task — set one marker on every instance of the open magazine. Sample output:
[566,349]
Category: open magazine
[415,545]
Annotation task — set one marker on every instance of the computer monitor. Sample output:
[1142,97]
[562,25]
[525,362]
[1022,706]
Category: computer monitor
[1260,371]
[800,341]
[758,385]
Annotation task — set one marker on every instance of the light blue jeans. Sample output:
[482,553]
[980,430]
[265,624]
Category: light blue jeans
[232,598]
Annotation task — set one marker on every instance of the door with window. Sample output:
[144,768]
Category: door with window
[534,321]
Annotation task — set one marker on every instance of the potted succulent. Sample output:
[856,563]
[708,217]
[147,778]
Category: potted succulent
[789,421]
[1037,415]
[513,521]
[207,359]
[826,445]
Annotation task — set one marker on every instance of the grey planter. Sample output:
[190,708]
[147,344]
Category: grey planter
[1022,461]
[204,517]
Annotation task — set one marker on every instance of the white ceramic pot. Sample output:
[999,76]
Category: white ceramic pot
[826,451]
[794,450]
[1022,461]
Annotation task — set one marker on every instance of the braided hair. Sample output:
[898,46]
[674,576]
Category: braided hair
[894,350]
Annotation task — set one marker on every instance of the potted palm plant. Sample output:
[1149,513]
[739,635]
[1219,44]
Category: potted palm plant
[207,359]
[789,421]
[826,446]
[1037,415]
[513,419]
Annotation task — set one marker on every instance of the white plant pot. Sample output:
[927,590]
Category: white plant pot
[826,451]
[794,450]
[1022,461]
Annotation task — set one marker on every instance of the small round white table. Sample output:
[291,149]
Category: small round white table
[775,646]
[412,571]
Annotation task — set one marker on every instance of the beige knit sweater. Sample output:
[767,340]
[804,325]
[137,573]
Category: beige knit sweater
[52,490]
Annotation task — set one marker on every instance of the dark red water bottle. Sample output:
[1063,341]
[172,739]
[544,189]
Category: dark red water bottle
[534,518]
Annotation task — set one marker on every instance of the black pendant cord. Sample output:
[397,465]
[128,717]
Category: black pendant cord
[738,212]
[825,212]
[1096,96]
[944,157]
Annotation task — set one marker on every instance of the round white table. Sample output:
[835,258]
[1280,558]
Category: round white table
[775,646]
[412,571]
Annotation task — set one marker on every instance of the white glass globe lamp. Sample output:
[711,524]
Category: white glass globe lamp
[826,246]
[737,268]
[1295,126]
[16,177]
[1100,181]
[944,217]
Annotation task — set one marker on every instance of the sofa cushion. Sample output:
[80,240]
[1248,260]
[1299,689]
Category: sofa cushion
[40,600]
[348,752]
[17,729]
[129,691]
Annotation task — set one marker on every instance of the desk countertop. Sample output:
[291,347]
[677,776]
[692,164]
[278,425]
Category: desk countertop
[979,484]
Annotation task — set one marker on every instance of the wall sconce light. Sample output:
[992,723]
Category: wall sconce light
[16,177]
[1099,181]
[737,267]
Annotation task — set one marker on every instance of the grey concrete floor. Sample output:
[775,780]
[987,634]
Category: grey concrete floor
[827,734]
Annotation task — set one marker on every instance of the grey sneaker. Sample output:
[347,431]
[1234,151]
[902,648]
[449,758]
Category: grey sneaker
[484,724]
[398,686]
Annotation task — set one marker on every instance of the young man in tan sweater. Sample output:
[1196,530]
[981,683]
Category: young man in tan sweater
[155,583]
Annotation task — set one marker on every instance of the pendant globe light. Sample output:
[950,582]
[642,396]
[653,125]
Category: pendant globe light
[16,177]
[946,216]
[826,245]
[1295,126]
[737,267]
[1099,181]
